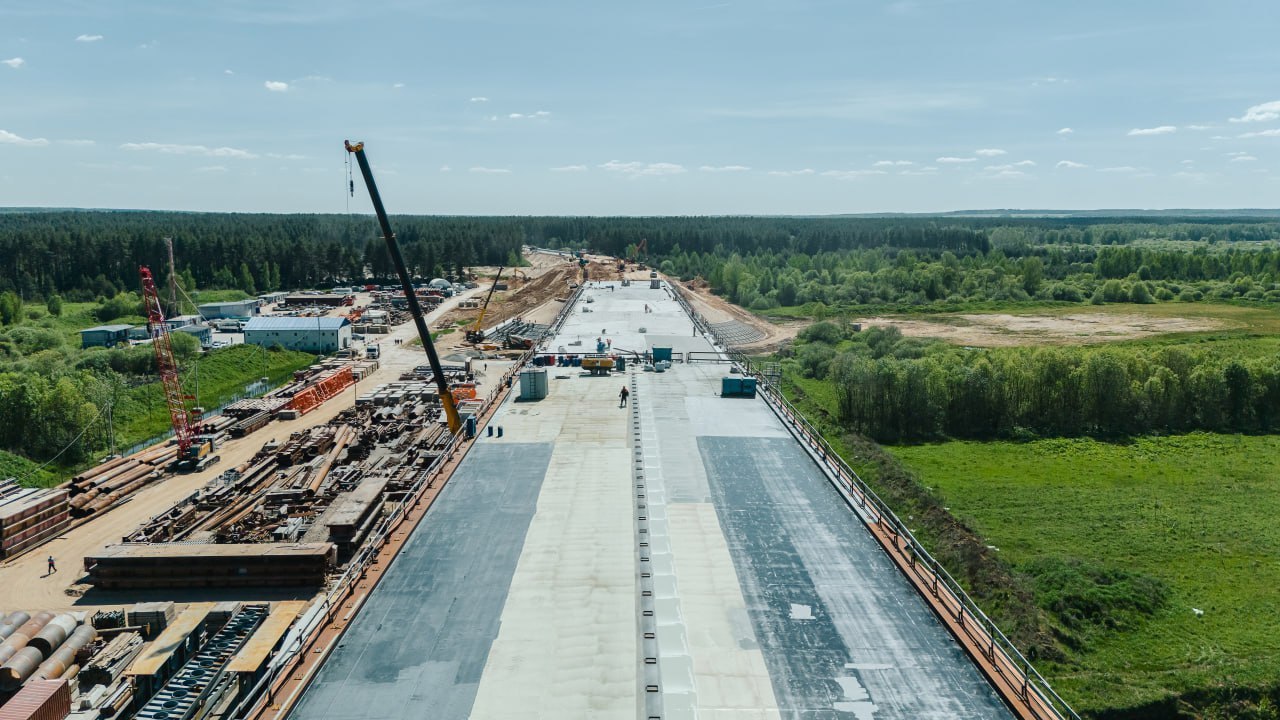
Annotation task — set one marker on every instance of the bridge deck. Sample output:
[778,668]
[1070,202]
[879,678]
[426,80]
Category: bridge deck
[679,558]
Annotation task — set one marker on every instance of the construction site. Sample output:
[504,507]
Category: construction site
[590,503]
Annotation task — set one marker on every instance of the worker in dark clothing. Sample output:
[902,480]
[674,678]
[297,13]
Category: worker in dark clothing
[622,396]
[53,568]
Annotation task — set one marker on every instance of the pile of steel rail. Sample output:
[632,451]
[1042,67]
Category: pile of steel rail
[29,516]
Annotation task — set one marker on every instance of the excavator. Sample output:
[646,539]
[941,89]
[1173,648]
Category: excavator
[476,333]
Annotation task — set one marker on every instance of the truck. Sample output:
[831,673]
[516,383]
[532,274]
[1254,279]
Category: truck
[373,352]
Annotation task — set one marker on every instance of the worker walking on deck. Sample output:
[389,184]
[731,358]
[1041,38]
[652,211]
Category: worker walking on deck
[622,396]
[53,568]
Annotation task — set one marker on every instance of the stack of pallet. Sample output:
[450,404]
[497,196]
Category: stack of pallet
[152,616]
[29,516]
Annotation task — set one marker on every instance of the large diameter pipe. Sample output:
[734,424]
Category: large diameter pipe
[19,667]
[53,634]
[64,658]
[12,622]
[20,637]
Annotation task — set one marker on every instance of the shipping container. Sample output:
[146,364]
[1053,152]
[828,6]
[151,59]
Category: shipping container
[39,700]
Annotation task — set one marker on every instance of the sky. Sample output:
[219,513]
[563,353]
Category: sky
[661,107]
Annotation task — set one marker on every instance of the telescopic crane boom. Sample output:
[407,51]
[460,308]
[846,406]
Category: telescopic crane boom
[476,333]
[415,308]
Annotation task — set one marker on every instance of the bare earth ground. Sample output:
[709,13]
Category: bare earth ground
[1001,330]
[718,310]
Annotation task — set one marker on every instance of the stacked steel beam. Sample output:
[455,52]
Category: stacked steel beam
[29,516]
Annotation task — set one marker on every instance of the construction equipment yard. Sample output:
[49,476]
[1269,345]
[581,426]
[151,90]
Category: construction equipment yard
[685,548]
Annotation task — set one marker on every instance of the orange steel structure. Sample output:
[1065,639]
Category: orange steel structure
[312,397]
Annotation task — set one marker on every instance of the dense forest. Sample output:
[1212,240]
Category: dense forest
[893,388]
[760,262]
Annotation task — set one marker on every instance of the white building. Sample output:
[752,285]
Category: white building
[320,335]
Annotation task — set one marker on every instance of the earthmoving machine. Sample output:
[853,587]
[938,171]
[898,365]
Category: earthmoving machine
[476,333]
[195,451]
[406,283]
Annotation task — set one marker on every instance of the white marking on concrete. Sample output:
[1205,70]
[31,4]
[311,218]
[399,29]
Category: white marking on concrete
[801,612]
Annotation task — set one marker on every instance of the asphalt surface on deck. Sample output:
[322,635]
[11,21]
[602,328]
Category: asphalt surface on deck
[682,556]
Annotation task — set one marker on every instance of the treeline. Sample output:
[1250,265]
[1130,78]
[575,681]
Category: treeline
[85,255]
[892,388]
[905,277]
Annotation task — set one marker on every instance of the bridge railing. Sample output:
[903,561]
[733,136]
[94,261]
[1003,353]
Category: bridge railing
[998,649]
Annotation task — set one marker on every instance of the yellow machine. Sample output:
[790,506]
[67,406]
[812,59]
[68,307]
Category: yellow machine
[598,364]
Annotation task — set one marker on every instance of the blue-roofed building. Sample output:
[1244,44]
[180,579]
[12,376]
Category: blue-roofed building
[320,335]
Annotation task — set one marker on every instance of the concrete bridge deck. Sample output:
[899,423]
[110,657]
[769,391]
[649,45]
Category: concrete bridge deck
[682,557]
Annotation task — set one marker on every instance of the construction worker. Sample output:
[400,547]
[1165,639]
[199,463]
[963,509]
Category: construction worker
[622,396]
[53,568]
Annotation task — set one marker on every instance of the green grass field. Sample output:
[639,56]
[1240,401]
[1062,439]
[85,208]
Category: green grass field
[16,466]
[1197,512]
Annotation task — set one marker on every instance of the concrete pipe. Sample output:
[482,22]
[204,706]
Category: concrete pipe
[20,667]
[63,659]
[53,634]
[20,637]
[12,622]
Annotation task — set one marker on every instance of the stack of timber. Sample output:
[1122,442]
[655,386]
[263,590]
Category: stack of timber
[200,565]
[110,663]
[29,516]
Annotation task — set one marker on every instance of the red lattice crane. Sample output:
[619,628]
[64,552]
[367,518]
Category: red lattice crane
[183,429]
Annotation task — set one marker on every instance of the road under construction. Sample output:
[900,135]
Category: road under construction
[690,553]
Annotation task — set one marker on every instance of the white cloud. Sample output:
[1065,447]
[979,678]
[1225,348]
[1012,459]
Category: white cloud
[1199,127]
[791,173]
[228,72]
[570,168]
[529,116]
[515,116]
[1224,137]
[1065,131]
[1070,165]
[724,168]
[1162,130]
[445,168]
[490,171]
[1006,173]
[892,163]
[479,99]
[1010,167]
[1260,113]
[8,138]
[212,169]
[276,86]
[77,143]
[851,174]
[174,149]
[1025,163]
[927,170]
[989,152]
[1244,158]
[1120,169]
[88,38]
[955,160]
[14,63]
[1273,132]
[636,169]
[397,85]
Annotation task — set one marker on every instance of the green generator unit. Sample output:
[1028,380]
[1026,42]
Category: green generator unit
[661,353]
[734,386]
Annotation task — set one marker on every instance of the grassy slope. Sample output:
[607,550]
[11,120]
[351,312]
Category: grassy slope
[16,466]
[1197,511]
[223,374]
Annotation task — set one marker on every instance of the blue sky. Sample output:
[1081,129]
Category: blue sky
[661,107]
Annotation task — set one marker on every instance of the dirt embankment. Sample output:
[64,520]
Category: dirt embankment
[1002,330]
